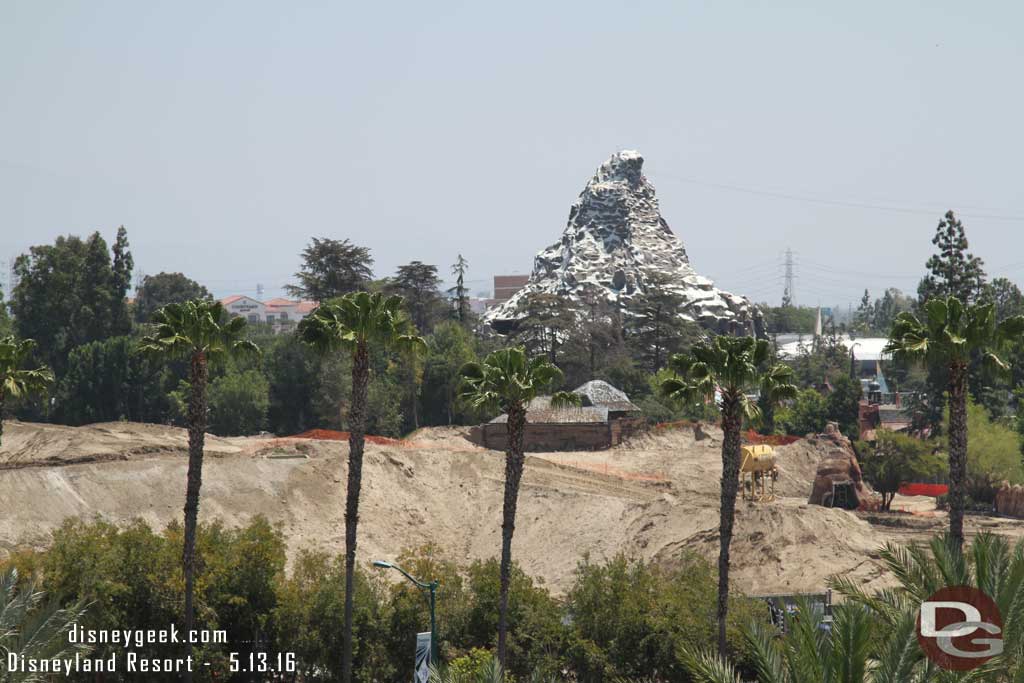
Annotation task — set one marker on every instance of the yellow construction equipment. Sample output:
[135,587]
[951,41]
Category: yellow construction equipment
[759,463]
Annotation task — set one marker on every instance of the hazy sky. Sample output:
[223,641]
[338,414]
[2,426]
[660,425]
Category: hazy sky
[224,134]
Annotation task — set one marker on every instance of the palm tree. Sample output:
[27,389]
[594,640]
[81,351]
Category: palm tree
[201,332]
[992,566]
[950,335]
[15,381]
[356,323]
[873,637]
[852,648]
[507,380]
[728,366]
[31,630]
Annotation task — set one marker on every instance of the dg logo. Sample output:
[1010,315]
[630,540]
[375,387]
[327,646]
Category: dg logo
[960,628]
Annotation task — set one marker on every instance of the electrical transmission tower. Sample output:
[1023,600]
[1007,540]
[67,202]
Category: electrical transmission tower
[11,279]
[788,294]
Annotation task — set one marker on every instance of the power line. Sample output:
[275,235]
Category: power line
[833,202]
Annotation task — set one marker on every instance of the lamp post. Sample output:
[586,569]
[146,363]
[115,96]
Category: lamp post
[432,588]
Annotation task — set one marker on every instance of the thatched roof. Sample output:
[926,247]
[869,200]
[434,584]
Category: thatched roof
[539,411]
[599,398]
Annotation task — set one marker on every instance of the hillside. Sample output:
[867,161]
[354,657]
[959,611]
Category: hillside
[651,498]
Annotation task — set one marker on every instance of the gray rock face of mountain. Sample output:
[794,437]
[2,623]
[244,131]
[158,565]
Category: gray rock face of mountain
[616,245]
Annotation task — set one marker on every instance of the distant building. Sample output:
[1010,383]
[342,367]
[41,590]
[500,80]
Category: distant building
[281,314]
[604,419]
[241,306]
[507,285]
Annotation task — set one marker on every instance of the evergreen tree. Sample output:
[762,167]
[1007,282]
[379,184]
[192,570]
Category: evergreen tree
[655,328]
[1006,296]
[64,296]
[417,283]
[6,326]
[892,303]
[332,268]
[156,291]
[953,271]
[458,293]
[546,327]
[121,282]
[864,317]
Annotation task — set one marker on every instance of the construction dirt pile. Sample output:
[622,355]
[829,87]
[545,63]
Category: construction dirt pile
[653,497]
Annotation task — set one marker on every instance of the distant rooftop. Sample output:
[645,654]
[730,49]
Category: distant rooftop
[539,411]
[598,398]
[864,348]
[597,392]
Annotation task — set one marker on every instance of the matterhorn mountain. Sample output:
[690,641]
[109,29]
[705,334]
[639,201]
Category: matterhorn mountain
[615,247]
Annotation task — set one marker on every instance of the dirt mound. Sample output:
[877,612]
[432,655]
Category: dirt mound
[653,497]
[29,444]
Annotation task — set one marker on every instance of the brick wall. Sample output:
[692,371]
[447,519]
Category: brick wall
[551,437]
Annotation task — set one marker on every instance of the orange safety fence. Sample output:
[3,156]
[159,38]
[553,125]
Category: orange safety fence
[933,490]
[756,439]
[335,435]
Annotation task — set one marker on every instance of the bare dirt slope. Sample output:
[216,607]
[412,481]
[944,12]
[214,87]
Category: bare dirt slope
[652,498]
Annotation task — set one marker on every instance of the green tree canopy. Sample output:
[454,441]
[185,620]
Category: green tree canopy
[896,459]
[417,283]
[156,291]
[332,268]
[952,270]
[239,400]
[17,381]
[67,294]
[111,380]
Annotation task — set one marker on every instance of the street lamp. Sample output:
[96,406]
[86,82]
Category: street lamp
[432,587]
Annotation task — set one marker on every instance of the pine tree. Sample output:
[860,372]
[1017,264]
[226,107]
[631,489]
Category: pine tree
[121,281]
[417,282]
[953,271]
[332,268]
[864,315]
[459,296]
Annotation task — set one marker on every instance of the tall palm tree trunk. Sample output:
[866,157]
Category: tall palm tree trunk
[2,401]
[732,419]
[957,449]
[196,438]
[356,442]
[514,460]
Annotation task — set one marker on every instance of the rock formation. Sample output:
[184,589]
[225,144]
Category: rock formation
[1010,500]
[839,466]
[615,247]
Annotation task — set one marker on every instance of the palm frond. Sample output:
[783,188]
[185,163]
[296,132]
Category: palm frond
[707,667]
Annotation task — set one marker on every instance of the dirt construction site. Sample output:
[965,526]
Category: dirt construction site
[652,497]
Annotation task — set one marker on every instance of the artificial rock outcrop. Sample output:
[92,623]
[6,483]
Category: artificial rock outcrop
[839,468]
[615,247]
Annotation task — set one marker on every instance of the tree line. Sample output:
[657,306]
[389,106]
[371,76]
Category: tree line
[960,343]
